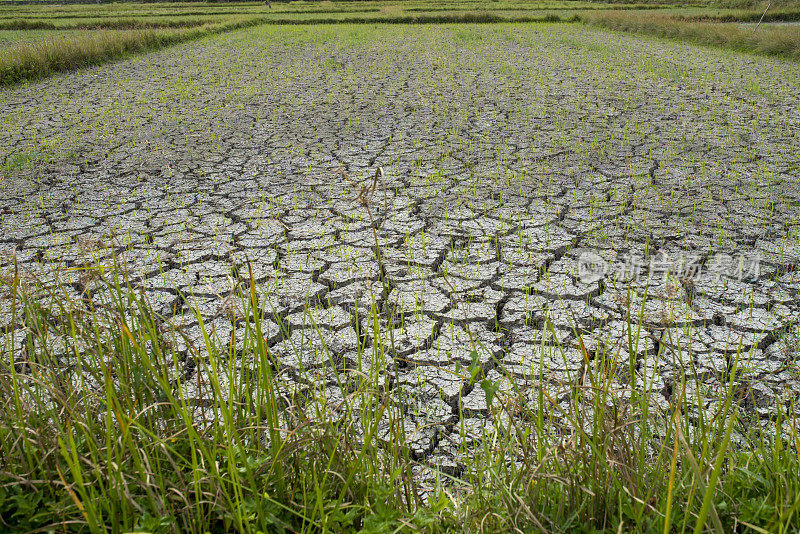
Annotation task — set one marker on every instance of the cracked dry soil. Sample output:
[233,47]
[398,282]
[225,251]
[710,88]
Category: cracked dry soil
[508,150]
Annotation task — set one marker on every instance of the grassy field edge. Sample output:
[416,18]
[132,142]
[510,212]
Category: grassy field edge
[781,42]
[130,442]
[34,61]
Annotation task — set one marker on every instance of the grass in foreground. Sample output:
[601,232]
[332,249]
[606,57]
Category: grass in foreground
[103,430]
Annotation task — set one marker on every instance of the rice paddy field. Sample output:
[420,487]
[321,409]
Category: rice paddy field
[504,277]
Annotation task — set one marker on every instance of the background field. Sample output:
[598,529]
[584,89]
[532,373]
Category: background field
[47,39]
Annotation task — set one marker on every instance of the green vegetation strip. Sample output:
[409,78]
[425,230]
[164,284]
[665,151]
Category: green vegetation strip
[782,15]
[116,24]
[469,18]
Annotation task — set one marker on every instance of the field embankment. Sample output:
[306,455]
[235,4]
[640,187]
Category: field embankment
[781,41]
[36,60]
[112,24]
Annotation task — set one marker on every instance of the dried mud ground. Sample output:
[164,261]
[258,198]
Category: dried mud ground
[508,151]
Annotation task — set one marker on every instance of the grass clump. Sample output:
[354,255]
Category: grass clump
[126,444]
[114,419]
